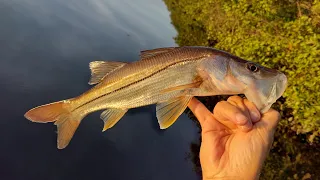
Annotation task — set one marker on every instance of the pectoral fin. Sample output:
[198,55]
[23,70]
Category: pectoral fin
[168,112]
[100,69]
[183,87]
[111,116]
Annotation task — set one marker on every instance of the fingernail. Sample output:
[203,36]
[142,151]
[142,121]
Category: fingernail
[241,119]
[255,116]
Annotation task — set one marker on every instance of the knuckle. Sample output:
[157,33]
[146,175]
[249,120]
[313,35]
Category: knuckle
[220,105]
[235,99]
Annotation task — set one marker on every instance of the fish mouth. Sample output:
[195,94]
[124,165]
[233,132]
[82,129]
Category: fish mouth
[276,92]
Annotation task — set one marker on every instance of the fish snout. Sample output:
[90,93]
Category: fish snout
[281,83]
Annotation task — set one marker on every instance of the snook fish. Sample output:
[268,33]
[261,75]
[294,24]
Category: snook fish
[168,77]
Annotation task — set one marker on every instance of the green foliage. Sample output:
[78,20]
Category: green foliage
[280,34]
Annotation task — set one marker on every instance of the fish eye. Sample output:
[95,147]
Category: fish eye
[252,67]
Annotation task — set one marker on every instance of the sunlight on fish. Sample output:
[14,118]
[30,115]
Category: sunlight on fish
[168,77]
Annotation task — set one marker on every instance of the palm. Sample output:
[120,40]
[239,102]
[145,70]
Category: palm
[227,151]
[229,148]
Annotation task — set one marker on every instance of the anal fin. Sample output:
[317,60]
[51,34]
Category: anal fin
[111,116]
[168,112]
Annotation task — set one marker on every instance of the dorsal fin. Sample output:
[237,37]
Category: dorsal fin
[149,53]
[99,69]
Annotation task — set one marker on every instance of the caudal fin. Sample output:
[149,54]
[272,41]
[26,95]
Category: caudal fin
[58,112]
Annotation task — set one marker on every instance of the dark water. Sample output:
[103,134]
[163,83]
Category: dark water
[45,48]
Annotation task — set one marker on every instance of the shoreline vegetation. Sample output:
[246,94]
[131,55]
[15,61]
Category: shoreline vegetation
[280,34]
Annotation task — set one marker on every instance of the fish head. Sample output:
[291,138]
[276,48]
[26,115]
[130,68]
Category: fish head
[262,85]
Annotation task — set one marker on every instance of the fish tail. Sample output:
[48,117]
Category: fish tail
[61,113]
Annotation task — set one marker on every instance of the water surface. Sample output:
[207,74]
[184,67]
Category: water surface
[45,49]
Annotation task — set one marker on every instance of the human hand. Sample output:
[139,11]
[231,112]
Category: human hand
[235,138]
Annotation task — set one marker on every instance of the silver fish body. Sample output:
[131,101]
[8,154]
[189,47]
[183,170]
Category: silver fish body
[168,77]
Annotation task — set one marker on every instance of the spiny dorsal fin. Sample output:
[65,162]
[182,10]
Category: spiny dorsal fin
[111,116]
[149,53]
[168,112]
[100,69]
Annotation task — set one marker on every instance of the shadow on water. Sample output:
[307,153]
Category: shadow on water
[151,111]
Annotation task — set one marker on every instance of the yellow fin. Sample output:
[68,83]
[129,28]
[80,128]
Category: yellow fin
[46,113]
[59,112]
[66,126]
[99,69]
[168,112]
[111,116]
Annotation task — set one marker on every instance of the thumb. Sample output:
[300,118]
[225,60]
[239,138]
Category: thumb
[267,125]
[270,119]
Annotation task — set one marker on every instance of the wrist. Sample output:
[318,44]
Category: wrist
[238,177]
[253,175]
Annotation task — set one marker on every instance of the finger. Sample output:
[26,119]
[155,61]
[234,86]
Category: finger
[199,110]
[239,102]
[248,107]
[232,116]
[270,119]
[267,126]
[253,111]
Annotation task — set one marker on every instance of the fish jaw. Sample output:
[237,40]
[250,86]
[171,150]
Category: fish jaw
[256,92]
[278,89]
